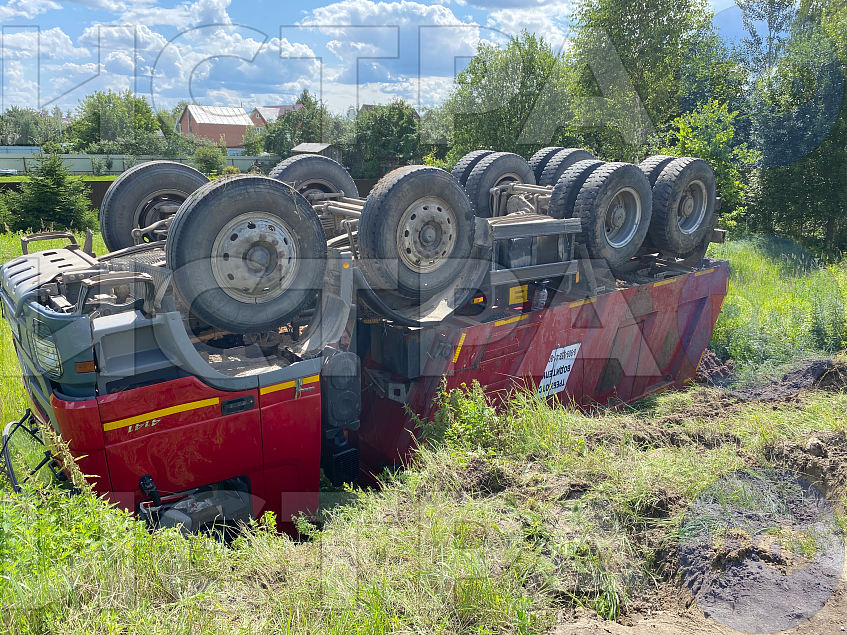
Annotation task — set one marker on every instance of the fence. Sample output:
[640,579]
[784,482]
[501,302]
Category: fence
[84,163]
[97,189]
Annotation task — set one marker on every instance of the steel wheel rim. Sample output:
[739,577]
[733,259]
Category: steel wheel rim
[426,234]
[255,258]
[149,210]
[622,218]
[692,207]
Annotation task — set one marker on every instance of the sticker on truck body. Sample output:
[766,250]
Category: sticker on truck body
[558,370]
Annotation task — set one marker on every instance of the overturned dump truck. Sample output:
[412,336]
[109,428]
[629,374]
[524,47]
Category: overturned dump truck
[245,333]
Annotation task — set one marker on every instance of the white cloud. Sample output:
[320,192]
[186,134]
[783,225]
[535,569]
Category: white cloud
[549,21]
[28,9]
[51,44]
[20,87]
[181,16]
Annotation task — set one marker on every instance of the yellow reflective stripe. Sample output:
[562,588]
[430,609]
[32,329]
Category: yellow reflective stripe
[510,320]
[581,302]
[459,348]
[288,384]
[158,414]
[661,282]
[704,272]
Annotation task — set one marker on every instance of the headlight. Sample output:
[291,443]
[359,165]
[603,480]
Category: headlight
[44,349]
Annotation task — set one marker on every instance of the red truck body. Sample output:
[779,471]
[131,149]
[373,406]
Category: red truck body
[610,348]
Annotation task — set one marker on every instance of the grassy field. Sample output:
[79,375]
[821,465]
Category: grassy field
[506,523]
[782,305]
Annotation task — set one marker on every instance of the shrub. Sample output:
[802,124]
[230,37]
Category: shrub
[230,169]
[208,159]
[51,197]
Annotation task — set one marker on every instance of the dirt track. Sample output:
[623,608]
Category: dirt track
[822,461]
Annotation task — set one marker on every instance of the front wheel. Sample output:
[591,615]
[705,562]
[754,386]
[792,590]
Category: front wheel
[248,254]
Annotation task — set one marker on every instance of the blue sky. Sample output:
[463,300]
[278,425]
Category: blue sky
[261,52]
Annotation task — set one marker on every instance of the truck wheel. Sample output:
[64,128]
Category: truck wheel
[567,188]
[493,170]
[248,253]
[653,166]
[615,206]
[560,162]
[540,159]
[683,205]
[416,232]
[314,173]
[141,196]
[462,170]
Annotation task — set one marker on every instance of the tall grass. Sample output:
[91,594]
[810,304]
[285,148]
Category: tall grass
[508,518]
[782,305]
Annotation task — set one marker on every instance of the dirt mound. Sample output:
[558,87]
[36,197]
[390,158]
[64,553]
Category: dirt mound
[481,478]
[822,460]
[711,369]
[645,435]
[790,384]
[834,378]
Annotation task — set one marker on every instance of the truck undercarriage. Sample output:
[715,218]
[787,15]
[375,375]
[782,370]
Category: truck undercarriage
[262,329]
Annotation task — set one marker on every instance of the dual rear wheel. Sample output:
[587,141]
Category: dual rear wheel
[665,204]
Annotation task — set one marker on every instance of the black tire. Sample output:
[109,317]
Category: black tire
[683,182]
[462,170]
[653,166]
[132,201]
[203,219]
[493,169]
[560,162]
[626,184]
[315,172]
[392,206]
[563,199]
[539,160]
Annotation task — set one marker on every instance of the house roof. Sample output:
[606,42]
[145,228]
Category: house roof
[271,113]
[217,115]
[312,148]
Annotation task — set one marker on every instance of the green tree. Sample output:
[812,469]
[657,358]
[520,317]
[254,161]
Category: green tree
[208,159]
[51,197]
[385,134]
[795,94]
[494,97]
[709,133]
[254,141]
[312,123]
[625,66]
[25,126]
[121,119]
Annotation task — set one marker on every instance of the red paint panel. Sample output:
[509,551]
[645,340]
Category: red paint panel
[182,450]
[190,455]
[291,447]
[79,424]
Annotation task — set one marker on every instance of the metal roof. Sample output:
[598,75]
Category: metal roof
[218,115]
[313,148]
[271,113]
